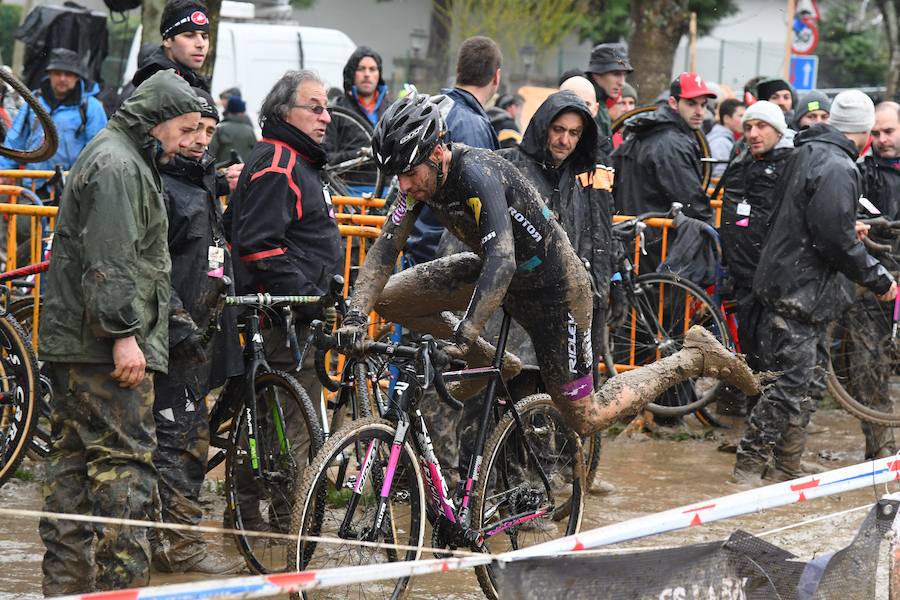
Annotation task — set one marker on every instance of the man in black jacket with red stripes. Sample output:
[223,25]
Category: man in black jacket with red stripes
[284,237]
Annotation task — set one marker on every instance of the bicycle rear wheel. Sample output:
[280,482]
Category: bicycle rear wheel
[663,308]
[51,138]
[513,506]
[864,363]
[339,497]
[287,437]
[23,312]
[18,395]
[339,180]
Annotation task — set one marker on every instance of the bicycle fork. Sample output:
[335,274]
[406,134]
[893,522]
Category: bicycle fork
[345,530]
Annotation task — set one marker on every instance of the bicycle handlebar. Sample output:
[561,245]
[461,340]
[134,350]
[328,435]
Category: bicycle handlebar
[427,351]
[628,228]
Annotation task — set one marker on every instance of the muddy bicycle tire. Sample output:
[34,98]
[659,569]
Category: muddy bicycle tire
[837,385]
[335,181]
[19,382]
[698,135]
[704,312]
[22,311]
[253,504]
[51,136]
[318,503]
[535,413]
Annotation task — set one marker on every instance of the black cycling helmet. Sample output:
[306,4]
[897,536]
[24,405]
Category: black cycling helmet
[406,134]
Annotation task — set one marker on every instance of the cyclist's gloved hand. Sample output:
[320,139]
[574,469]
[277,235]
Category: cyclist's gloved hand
[353,331]
[463,338]
[618,306]
[190,349]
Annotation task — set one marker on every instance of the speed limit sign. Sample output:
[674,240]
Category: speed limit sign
[806,35]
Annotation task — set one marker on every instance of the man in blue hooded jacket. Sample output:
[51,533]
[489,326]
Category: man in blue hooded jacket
[71,101]
[365,95]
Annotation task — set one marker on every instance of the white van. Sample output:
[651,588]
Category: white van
[253,56]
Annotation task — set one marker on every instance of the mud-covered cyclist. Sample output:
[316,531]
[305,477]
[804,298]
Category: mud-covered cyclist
[521,258]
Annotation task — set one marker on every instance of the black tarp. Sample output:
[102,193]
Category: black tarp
[69,26]
[743,567]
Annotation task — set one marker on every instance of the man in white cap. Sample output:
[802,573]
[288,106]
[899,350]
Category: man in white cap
[811,241]
[748,203]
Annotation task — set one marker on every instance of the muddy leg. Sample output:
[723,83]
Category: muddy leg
[628,392]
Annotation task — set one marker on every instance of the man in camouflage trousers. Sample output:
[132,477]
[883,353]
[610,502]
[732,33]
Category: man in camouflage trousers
[104,333]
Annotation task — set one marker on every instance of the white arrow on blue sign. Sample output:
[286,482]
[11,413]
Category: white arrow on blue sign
[804,71]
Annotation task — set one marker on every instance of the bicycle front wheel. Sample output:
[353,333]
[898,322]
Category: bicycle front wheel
[864,357]
[532,485]
[262,470]
[339,500]
[19,386]
[663,308]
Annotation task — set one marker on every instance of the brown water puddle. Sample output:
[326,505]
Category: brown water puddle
[650,474]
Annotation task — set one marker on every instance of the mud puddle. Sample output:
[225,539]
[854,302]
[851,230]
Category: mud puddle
[650,473]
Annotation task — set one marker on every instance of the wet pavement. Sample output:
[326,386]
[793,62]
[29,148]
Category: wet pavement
[650,473]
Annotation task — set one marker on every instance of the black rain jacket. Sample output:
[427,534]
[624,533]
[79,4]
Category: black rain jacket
[283,232]
[191,193]
[750,183]
[812,239]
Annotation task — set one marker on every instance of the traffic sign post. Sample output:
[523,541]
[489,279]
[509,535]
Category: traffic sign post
[804,72]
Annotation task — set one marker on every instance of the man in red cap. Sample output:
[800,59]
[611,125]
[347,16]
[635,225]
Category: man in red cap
[659,162]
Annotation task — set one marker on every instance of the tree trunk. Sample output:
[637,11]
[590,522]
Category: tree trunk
[215,7]
[151,12]
[890,11]
[439,40]
[657,28]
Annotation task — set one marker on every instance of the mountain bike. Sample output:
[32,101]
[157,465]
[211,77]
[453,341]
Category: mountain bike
[265,429]
[661,308]
[50,141]
[370,481]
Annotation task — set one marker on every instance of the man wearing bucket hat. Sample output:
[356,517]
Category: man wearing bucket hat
[71,102]
[607,68]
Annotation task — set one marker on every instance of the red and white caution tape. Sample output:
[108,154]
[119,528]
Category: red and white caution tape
[780,494]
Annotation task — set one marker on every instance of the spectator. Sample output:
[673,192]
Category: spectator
[813,108]
[584,89]
[366,95]
[812,240]
[779,92]
[227,94]
[660,164]
[200,265]
[184,28]
[477,80]
[282,226]
[870,369]
[724,133]
[104,334]
[504,116]
[77,114]
[626,101]
[607,69]
[235,132]
[749,203]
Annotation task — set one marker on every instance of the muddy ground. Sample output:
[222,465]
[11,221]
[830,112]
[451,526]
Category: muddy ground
[653,472]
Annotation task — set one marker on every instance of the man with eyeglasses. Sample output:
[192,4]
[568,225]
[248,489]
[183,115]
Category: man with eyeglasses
[284,237]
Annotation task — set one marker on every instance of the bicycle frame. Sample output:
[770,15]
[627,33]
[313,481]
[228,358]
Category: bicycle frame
[458,519]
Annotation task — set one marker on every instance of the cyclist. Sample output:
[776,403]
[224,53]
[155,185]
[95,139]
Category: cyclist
[521,259]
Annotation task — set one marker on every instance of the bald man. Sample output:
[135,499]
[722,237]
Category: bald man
[868,319]
[584,90]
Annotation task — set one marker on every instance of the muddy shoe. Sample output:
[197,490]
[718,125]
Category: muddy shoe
[718,362]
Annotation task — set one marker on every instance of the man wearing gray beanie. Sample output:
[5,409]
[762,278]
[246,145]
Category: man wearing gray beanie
[797,286]
[814,107]
[749,200]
